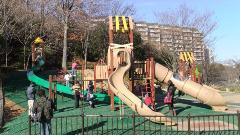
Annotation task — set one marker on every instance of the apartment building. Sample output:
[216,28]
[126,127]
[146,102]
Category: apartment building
[177,39]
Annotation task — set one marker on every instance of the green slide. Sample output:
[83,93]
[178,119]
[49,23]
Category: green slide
[60,88]
[41,82]
[44,83]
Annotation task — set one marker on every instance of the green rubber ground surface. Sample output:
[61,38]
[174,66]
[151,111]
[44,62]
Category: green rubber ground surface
[15,88]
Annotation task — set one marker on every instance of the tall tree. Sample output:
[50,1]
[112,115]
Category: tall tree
[67,6]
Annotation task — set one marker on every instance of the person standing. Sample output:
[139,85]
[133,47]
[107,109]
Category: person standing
[170,97]
[31,98]
[74,69]
[76,89]
[90,96]
[43,111]
[67,78]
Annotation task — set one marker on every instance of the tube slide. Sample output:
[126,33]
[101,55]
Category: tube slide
[116,84]
[207,95]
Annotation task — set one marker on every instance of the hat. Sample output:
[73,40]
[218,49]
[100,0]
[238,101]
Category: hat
[76,86]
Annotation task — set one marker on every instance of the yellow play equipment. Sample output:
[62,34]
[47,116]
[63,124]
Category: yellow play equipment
[38,40]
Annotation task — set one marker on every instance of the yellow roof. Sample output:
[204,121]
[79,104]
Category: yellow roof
[38,40]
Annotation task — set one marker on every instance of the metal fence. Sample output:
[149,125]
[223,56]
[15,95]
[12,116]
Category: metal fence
[136,124]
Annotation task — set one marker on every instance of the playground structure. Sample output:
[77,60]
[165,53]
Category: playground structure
[120,61]
[187,67]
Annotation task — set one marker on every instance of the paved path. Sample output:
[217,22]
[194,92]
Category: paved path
[206,126]
[233,101]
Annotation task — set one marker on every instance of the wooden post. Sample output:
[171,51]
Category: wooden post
[110,34]
[147,75]
[193,68]
[95,80]
[54,86]
[131,84]
[147,68]
[50,79]
[238,117]
[55,96]
[130,30]
[181,70]
[109,91]
[101,85]
[152,81]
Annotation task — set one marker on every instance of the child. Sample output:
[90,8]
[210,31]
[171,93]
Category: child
[90,96]
[76,89]
[169,97]
[74,67]
[67,78]
[148,100]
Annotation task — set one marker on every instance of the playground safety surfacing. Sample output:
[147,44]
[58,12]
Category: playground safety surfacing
[15,91]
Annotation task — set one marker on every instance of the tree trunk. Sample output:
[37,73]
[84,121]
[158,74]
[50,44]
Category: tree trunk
[85,55]
[64,58]
[28,60]
[42,17]
[6,59]
[6,53]
[24,57]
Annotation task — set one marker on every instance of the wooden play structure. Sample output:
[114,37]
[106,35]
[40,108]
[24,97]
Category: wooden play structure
[99,74]
[144,71]
[37,49]
[121,66]
[187,67]
[123,25]
[139,70]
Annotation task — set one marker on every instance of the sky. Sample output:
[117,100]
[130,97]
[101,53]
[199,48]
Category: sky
[226,14]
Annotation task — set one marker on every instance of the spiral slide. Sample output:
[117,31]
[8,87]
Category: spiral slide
[205,94]
[116,83]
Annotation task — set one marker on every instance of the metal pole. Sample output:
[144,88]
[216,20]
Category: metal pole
[238,115]
[189,127]
[82,115]
[133,123]
[29,125]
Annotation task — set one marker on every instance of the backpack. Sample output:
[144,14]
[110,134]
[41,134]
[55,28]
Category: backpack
[168,99]
[48,109]
[44,110]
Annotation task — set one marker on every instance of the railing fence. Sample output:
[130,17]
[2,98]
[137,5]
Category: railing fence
[136,124]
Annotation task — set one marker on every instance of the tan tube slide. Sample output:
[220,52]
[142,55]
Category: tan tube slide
[116,84]
[207,95]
